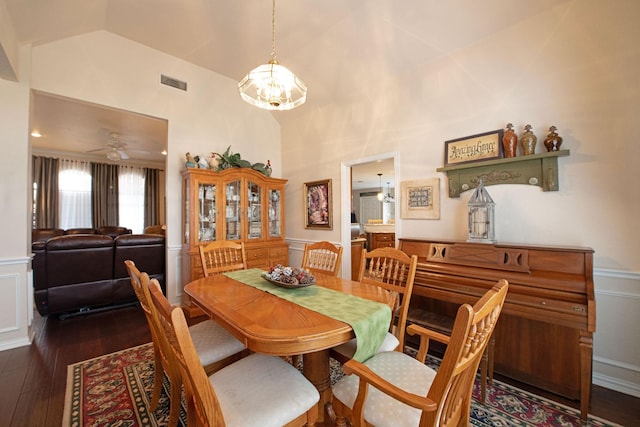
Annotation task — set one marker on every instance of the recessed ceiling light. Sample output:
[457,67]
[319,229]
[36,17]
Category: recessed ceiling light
[36,134]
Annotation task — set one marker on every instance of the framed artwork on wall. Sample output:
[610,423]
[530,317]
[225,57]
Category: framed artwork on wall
[317,205]
[420,199]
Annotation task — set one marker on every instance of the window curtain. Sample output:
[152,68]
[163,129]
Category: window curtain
[45,192]
[132,189]
[74,185]
[151,197]
[104,197]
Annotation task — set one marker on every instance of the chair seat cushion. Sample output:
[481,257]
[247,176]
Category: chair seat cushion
[381,410]
[261,390]
[213,343]
[348,349]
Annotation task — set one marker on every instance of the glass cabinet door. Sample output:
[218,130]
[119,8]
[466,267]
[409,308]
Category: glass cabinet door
[275,213]
[207,212]
[254,210]
[232,207]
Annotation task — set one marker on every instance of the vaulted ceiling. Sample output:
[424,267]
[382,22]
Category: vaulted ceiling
[338,47]
[342,49]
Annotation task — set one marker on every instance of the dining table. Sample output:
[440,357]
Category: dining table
[280,321]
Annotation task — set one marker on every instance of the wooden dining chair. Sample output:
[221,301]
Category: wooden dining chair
[221,256]
[394,271]
[257,390]
[444,324]
[160,362]
[395,389]
[215,346]
[322,257]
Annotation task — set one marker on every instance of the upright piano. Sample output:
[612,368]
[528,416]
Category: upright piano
[544,336]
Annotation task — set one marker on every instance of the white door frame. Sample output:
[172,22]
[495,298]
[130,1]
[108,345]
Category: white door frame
[345,203]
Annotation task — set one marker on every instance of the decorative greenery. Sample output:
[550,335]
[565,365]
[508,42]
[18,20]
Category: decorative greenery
[229,160]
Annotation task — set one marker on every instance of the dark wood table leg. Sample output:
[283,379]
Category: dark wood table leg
[316,368]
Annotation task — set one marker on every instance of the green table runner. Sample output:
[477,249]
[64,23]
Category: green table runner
[369,319]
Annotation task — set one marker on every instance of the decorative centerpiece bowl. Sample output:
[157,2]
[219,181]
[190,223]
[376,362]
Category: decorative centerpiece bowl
[289,277]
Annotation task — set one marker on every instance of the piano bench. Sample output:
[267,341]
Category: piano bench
[444,324]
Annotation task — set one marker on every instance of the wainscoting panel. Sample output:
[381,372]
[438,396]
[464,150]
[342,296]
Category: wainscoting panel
[15,303]
[616,343]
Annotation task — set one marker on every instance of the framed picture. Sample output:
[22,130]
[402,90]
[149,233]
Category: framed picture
[317,205]
[484,146]
[420,199]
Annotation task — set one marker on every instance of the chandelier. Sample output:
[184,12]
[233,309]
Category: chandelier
[388,198]
[272,86]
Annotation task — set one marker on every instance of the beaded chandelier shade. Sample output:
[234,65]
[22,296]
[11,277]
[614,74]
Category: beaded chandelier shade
[272,86]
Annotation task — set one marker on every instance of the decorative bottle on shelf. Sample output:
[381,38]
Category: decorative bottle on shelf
[267,170]
[553,140]
[528,141]
[509,141]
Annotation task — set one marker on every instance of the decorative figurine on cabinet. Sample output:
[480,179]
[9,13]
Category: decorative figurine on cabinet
[528,141]
[553,140]
[202,162]
[191,161]
[510,141]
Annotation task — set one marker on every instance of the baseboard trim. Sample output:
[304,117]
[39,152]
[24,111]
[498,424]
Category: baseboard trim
[8,345]
[616,384]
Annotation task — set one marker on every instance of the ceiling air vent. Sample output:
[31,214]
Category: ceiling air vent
[170,81]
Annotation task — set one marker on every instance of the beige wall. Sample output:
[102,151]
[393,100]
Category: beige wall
[15,263]
[573,67]
[106,69]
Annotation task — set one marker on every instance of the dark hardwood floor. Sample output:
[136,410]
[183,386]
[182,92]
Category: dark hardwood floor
[33,378]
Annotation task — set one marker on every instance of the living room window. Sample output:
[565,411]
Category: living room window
[131,198]
[80,194]
[74,192]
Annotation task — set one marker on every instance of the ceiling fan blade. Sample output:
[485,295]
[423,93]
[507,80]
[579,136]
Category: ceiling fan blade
[96,149]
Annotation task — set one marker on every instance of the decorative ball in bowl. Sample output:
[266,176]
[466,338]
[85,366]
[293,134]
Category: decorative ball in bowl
[289,277]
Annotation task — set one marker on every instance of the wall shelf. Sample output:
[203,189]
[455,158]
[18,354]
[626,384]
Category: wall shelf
[534,169]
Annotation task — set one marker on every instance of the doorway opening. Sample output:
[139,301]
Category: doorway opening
[346,199]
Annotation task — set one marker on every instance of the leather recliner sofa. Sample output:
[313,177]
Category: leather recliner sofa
[82,272]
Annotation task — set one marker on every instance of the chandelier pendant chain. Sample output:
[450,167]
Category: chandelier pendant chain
[272,86]
[273,33]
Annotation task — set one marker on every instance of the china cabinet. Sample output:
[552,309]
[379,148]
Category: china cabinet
[238,204]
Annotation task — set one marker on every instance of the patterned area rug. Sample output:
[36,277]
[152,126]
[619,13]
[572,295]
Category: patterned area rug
[115,389]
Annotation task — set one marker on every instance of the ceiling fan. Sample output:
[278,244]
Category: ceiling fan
[114,147]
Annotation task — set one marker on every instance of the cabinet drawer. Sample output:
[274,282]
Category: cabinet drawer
[384,245]
[256,254]
[278,252]
[383,237]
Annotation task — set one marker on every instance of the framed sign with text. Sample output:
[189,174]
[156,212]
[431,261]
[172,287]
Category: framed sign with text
[420,199]
[484,146]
